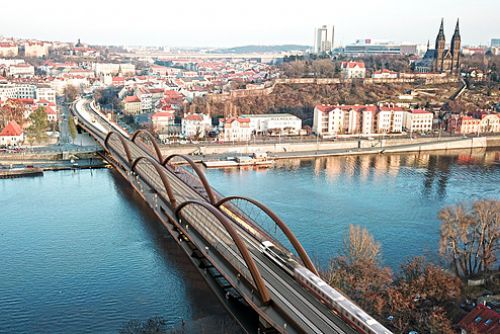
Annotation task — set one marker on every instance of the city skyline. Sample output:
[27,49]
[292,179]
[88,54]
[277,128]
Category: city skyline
[225,24]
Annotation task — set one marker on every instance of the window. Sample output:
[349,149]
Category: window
[477,320]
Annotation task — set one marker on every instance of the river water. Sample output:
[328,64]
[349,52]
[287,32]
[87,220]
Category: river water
[396,197]
[80,253]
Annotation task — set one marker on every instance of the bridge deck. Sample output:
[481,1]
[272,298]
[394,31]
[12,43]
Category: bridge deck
[292,308]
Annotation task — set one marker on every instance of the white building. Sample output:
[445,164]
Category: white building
[8,49]
[195,125]
[328,120]
[367,121]
[21,70]
[36,49]
[384,74]
[236,129]
[352,70]
[12,134]
[163,120]
[26,91]
[345,119]
[46,93]
[8,91]
[418,120]
[390,120]
[283,124]
[107,68]
[10,62]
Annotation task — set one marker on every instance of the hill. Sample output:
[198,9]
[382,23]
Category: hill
[262,48]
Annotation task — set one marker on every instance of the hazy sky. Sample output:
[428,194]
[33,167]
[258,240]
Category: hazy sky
[233,22]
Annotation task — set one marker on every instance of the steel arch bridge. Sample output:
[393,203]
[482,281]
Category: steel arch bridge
[221,235]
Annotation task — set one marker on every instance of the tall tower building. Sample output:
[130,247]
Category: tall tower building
[439,48]
[455,50]
[322,42]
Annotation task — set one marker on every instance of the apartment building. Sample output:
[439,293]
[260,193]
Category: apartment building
[418,120]
[235,129]
[274,124]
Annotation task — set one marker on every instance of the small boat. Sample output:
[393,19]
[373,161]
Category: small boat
[240,161]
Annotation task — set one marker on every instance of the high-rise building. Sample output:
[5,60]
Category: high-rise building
[495,42]
[323,41]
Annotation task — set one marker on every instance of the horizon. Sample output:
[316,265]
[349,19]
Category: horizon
[219,25]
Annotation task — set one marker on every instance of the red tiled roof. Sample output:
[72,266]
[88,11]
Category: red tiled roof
[391,109]
[352,64]
[420,111]
[12,130]
[384,71]
[24,101]
[7,44]
[481,319]
[130,99]
[239,119]
[163,114]
[193,117]
[49,111]
[328,107]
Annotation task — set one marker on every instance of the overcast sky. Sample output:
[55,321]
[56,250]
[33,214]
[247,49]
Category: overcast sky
[223,23]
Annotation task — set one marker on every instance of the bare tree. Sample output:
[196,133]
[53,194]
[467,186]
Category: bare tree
[359,245]
[357,273]
[470,236]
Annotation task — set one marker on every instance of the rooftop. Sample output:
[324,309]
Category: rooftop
[12,130]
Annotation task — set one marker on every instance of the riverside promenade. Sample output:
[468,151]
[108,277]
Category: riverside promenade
[309,149]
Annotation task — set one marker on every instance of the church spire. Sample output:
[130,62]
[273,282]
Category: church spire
[457,29]
[441,30]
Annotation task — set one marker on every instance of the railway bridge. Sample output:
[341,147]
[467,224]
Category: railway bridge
[221,235]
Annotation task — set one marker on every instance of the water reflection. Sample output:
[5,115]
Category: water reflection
[397,197]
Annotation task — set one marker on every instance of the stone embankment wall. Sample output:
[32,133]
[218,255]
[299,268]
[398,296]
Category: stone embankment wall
[388,145]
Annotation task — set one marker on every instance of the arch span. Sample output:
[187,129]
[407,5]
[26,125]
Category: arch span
[151,138]
[122,141]
[199,173]
[281,224]
[256,276]
[163,177]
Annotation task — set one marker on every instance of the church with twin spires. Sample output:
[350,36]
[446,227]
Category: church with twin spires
[439,59]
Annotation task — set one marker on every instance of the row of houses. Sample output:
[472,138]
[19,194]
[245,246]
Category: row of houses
[332,120]
[32,49]
[241,128]
[10,90]
[474,123]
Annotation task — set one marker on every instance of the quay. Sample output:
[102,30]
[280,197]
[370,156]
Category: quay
[20,172]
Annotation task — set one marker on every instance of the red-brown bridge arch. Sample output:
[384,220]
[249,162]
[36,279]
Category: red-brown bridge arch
[199,173]
[256,276]
[164,179]
[143,132]
[122,141]
[281,224]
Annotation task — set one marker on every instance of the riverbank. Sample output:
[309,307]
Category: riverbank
[21,172]
[327,148]
[21,168]
[349,148]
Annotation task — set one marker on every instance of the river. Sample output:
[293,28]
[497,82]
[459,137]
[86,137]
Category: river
[80,252]
[396,197]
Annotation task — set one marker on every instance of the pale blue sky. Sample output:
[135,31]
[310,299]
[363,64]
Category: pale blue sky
[233,22]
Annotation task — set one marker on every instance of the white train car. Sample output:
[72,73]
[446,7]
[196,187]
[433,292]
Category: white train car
[329,296]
